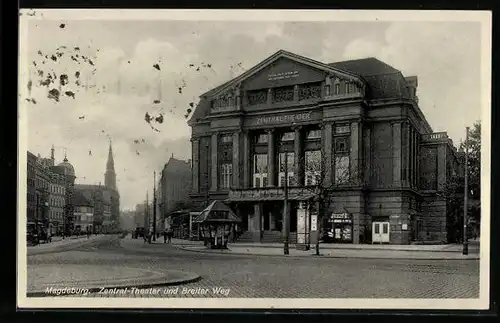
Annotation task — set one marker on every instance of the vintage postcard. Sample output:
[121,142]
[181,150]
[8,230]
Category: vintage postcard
[254,159]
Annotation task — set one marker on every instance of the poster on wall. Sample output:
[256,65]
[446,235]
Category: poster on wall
[314,222]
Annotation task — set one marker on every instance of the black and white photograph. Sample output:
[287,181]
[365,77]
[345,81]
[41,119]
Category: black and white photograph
[254,159]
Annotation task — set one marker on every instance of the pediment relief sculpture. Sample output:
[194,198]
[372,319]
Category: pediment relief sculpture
[226,101]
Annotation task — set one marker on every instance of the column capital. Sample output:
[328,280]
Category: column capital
[270,131]
[297,127]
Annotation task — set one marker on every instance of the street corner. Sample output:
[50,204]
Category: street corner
[66,244]
[102,280]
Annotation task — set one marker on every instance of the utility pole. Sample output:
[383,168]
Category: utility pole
[466,192]
[154,206]
[286,221]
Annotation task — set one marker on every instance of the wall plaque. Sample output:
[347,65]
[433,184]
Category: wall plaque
[282,75]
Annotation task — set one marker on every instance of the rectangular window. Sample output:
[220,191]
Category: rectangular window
[312,167]
[342,174]
[226,139]
[314,134]
[342,129]
[290,156]
[337,89]
[341,145]
[347,87]
[260,170]
[262,138]
[288,136]
[227,172]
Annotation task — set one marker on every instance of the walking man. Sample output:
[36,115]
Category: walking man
[170,234]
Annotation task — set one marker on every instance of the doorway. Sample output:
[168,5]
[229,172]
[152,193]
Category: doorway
[380,232]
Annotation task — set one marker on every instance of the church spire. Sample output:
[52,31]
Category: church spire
[110,176]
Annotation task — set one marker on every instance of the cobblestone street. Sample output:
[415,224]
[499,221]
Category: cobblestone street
[253,276]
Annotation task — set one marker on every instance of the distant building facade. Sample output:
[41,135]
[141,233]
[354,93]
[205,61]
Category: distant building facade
[68,172]
[42,180]
[31,205]
[84,213]
[140,215]
[174,186]
[57,202]
[105,199]
[379,159]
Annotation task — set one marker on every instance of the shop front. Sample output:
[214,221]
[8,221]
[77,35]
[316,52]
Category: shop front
[339,228]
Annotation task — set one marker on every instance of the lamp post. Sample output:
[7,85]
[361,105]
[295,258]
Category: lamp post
[286,221]
[465,250]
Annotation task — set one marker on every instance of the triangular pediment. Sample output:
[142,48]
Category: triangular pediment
[283,69]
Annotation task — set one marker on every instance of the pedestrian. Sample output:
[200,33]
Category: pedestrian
[165,236]
[170,234]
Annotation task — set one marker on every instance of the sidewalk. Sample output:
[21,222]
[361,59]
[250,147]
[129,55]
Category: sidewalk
[60,244]
[443,252]
[79,280]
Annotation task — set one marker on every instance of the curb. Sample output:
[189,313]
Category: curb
[320,256]
[346,248]
[63,248]
[194,278]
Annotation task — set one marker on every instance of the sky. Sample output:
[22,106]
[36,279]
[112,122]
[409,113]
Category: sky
[120,84]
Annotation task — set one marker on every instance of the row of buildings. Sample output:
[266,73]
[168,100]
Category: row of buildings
[59,206]
[354,128]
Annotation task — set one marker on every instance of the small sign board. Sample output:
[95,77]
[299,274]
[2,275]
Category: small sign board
[404,226]
[314,222]
[340,218]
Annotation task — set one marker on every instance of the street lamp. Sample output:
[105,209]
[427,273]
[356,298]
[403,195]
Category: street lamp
[285,210]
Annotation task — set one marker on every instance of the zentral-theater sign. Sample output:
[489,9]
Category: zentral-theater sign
[286,118]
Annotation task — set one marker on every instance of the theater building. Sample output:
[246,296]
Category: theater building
[352,130]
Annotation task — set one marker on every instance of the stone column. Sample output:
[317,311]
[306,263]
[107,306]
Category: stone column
[415,158]
[215,163]
[405,153]
[299,160]
[246,159]
[255,225]
[396,154]
[367,155]
[196,164]
[236,160]
[441,167]
[326,152]
[271,159]
[356,153]
[412,157]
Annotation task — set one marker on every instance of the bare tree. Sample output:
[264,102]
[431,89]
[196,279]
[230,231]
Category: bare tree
[323,176]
